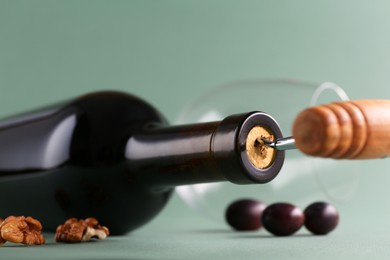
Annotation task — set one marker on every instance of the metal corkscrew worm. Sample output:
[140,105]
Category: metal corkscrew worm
[281,144]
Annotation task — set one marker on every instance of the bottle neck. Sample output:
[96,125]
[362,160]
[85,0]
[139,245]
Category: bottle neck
[204,152]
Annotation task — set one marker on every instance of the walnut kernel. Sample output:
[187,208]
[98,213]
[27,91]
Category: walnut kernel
[74,230]
[25,230]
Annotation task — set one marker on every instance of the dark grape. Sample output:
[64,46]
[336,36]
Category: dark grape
[245,214]
[321,218]
[282,219]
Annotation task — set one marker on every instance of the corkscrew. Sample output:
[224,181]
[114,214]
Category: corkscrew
[341,130]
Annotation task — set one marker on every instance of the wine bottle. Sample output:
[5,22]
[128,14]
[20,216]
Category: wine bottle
[112,156]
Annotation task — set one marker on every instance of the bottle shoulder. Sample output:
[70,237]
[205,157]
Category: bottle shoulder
[105,121]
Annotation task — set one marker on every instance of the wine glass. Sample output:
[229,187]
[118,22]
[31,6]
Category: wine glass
[303,179]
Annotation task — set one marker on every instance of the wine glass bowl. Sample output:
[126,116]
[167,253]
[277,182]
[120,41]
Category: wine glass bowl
[302,179]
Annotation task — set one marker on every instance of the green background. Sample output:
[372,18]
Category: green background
[170,52]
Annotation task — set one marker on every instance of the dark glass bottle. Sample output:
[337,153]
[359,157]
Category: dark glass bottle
[112,156]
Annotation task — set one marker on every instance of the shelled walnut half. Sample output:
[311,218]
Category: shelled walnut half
[25,230]
[74,230]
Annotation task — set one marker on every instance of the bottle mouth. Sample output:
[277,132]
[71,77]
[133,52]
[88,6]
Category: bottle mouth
[239,151]
[262,163]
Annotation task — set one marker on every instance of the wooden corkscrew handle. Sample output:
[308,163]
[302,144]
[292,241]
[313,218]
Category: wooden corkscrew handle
[345,130]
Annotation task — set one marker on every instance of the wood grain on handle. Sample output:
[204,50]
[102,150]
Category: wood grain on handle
[345,130]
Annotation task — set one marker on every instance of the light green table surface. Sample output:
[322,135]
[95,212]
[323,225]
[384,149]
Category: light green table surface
[170,52]
[180,234]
